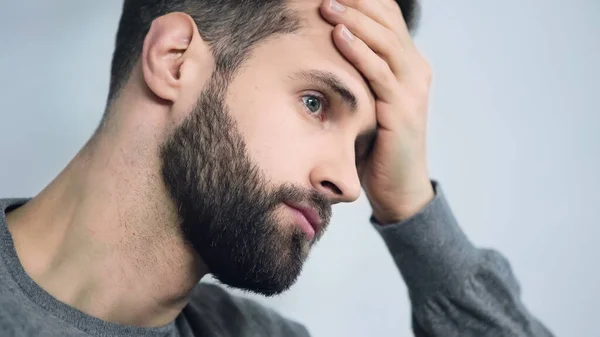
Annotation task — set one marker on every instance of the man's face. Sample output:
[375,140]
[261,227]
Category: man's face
[252,159]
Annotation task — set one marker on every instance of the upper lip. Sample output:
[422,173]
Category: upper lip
[310,213]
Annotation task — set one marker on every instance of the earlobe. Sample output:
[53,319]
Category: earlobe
[164,53]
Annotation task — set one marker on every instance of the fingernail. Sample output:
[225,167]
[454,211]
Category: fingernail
[336,6]
[346,34]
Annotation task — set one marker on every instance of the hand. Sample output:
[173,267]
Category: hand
[373,36]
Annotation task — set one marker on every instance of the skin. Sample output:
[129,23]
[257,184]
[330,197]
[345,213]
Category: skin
[96,232]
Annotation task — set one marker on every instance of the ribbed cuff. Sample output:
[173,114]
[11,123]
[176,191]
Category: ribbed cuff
[431,251]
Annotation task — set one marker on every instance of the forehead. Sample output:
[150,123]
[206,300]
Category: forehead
[312,48]
[315,37]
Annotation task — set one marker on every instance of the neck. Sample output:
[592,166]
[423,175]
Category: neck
[104,238]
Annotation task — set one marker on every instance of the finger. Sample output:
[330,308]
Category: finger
[379,38]
[377,71]
[386,12]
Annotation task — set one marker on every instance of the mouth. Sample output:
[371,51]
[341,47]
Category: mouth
[307,218]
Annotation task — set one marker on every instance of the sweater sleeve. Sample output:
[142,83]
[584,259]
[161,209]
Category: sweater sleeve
[455,288]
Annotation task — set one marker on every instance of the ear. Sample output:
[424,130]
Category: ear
[167,47]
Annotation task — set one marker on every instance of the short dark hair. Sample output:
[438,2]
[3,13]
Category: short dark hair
[230,27]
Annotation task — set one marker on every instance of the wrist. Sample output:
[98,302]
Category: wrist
[403,207]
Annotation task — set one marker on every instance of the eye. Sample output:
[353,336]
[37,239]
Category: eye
[315,104]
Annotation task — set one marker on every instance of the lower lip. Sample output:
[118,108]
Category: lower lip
[303,223]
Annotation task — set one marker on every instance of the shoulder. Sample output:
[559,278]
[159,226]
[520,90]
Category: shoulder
[212,308]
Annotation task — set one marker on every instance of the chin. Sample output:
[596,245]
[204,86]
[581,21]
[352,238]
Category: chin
[268,268]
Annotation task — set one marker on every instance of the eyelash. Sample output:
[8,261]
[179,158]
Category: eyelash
[324,104]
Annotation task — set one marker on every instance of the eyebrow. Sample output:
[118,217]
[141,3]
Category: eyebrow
[365,139]
[332,82]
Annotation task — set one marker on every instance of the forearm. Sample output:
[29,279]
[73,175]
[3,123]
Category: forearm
[455,288]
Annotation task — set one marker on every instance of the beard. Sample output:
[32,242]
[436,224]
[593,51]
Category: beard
[225,205]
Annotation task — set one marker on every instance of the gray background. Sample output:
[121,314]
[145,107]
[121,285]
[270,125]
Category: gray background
[513,137]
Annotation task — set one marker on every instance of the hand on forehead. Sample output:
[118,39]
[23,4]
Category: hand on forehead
[391,13]
[382,19]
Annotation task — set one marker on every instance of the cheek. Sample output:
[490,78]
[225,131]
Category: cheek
[279,140]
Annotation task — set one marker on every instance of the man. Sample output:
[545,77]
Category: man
[231,129]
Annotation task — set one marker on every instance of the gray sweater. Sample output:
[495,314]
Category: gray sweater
[455,290]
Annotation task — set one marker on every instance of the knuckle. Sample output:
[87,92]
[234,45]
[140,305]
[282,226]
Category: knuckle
[384,73]
[392,7]
[389,46]
[360,4]
[350,3]
[395,42]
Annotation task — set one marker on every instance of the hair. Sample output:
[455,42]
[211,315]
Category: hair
[230,27]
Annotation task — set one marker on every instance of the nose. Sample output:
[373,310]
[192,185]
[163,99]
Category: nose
[337,178]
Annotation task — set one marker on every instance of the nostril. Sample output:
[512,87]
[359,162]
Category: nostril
[332,187]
